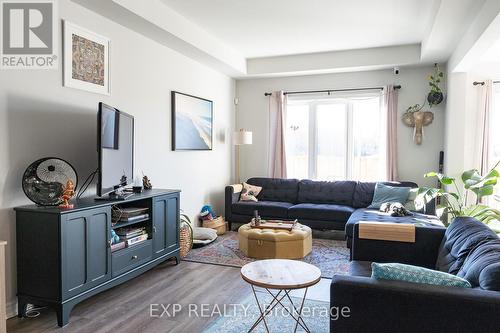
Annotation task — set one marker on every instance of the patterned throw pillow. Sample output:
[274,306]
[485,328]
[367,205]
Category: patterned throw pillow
[250,192]
[412,203]
[409,273]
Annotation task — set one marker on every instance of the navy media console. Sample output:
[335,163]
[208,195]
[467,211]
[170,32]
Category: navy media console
[64,255]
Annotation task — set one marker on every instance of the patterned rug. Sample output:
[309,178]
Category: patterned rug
[244,314]
[330,256]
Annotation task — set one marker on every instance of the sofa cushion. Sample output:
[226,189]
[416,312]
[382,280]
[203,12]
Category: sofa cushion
[461,237]
[385,193]
[482,266]
[275,189]
[266,208]
[320,212]
[416,274]
[363,193]
[320,192]
[372,215]
[360,268]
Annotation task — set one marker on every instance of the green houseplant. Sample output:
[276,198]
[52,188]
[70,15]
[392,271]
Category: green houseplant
[456,202]
[435,96]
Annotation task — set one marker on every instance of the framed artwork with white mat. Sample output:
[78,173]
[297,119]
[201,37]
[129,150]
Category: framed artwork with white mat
[86,59]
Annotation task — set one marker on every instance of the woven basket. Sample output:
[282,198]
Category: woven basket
[218,224]
[186,238]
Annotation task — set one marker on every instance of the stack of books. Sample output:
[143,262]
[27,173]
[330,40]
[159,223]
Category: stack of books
[132,236]
[130,214]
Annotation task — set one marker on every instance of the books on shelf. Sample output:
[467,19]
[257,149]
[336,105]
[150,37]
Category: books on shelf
[136,240]
[131,219]
[117,246]
[130,232]
[132,211]
[134,218]
[129,214]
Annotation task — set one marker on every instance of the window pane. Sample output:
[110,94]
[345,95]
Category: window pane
[331,142]
[368,140]
[495,138]
[297,141]
[495,134]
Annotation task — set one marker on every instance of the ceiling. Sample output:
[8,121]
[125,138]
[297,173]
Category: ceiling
[262,28]
[270,38]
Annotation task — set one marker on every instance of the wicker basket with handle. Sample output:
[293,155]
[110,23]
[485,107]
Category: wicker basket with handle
[185,237]
[218,224]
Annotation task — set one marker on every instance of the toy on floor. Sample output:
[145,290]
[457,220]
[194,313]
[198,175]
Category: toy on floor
[207,213]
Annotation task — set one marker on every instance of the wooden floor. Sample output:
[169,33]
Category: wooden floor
[126,308]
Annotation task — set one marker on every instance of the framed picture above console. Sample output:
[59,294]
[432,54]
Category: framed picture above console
[192,122]
[86,59]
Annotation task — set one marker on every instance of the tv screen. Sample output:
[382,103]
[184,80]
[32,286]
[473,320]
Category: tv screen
[116,149]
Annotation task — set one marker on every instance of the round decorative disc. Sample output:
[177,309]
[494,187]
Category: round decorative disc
[44,180]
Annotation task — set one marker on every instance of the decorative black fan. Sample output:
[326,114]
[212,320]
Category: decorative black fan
[44,180]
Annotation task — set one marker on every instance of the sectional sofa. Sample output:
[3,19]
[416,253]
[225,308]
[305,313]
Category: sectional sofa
[467,248]
[319,204]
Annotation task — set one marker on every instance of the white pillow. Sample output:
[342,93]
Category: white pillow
[412,203]
[204,235]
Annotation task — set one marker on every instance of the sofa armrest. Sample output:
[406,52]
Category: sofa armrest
[389,306]
[421,253]
[232,195]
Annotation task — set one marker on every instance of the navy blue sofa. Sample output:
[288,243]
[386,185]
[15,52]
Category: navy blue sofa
[467,248]
[319,204]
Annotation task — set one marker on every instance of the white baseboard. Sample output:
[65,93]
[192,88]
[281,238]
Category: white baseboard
[11,308]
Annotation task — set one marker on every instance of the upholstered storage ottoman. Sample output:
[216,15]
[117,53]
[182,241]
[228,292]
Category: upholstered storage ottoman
[275,243]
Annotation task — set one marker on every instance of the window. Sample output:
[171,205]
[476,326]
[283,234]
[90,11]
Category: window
[336,137]
[495,135]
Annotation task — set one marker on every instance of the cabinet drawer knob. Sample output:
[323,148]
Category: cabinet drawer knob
[135,257]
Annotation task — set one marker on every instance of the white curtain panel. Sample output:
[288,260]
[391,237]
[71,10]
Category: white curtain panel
[277,155]
[482,150]
[391,106]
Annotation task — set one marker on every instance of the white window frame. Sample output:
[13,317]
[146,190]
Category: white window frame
[347,99]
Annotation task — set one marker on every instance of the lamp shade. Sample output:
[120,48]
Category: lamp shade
[242,137]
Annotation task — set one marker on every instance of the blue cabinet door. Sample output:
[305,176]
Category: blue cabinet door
[165,224]
[85,253]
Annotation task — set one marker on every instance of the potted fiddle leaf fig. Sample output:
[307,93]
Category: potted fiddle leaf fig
[435,96]
[456,202]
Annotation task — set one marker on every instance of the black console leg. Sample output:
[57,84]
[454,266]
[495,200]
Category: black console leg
[63,312]
[177,259]
[21,308]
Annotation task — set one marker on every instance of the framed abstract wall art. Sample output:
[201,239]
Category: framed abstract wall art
[192,122]
[86,59]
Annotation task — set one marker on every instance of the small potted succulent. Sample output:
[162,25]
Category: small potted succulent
[435,96]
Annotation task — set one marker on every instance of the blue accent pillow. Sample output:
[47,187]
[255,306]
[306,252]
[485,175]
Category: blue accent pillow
[409,273]
[385,193]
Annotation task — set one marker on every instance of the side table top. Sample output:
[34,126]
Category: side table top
[281,274]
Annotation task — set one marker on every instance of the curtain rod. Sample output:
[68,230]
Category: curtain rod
[329,90]
[481,83]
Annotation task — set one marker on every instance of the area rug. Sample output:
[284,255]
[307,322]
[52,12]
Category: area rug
[330,256]
[240,317]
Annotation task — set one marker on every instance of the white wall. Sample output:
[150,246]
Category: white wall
[461,120]
[39,117]
[414,161]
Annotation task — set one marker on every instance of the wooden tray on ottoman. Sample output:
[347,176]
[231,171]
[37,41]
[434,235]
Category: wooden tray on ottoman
[275,224]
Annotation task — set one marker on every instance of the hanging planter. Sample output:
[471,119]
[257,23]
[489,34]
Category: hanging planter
[436,95]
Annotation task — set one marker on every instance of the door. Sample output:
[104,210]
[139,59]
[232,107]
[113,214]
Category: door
[86,255]
[165,224]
